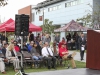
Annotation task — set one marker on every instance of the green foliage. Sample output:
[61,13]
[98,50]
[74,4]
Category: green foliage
[3,2]
[48,27]
[92,17]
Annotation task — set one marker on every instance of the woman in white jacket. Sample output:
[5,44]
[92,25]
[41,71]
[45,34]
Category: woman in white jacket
[11,55]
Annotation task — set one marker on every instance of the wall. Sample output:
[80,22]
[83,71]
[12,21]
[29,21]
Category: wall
[26,10]
[65,14]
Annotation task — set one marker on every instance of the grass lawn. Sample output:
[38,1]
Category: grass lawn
[29,70]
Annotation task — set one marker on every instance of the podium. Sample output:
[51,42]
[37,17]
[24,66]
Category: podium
[93,50]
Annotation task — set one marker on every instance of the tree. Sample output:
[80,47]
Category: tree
[3,2]
[48,27]
[92,18]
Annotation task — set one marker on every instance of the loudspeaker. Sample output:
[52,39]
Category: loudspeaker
[22,25]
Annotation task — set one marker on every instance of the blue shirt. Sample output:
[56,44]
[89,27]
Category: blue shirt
[29,48]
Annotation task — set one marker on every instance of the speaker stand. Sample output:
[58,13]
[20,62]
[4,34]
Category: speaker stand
[21,72]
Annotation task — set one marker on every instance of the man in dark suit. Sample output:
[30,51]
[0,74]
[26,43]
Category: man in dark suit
[82,43]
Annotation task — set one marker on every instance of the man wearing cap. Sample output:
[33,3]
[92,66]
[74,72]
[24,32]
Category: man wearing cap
[63,53]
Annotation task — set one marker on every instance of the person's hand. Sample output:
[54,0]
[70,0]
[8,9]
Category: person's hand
[5,60]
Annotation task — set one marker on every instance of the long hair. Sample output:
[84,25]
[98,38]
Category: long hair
[10,47]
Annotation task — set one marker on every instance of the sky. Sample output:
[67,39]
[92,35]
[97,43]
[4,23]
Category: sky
[13,6]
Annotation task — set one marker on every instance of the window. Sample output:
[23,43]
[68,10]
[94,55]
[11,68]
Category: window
[78,1]
[68,4]
[55,8]
[49,9]
[59,6]
[82,1]
[75,2]
[72,3]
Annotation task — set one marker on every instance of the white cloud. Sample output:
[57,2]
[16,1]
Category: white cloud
[13,6]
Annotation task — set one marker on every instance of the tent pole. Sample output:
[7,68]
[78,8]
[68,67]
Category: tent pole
[5,34]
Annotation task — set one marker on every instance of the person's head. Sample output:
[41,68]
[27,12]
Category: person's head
[31,43]
[63,39]
[46,44]
[54,43]
[57,34]
[5,45]
[82,35]
[24,43]
[63,45]
[40,42]
[34,45]
[11,47]
[15,43]
[47,35]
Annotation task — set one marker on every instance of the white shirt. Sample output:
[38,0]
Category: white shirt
[45,52]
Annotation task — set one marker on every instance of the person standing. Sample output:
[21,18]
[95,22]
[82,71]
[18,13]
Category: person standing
[82,43]
[57,38]
[76,42]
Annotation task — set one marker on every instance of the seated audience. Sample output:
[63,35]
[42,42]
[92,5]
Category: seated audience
[12,56]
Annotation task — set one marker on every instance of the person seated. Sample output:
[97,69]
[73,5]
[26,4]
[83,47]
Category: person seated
[35,55]
[4,49]
[63,52]
[30,46]
[11,55]
[63,41]
[54,49]
[25,47]
[48,56]
[16,46]
[2,65]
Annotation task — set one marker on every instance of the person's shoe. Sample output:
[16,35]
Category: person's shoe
[4,72]
[74,68]
[82,59]
[16,70]
[49,67]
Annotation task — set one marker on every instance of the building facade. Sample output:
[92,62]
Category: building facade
[62,12]
[26,10]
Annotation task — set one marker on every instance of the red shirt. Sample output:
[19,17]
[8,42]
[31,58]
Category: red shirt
[62,50]
[17,49]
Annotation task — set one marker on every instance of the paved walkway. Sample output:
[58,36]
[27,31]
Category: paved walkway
[82,71]
[77,56]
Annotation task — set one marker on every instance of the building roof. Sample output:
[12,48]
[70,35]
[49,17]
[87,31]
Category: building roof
[47,3]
